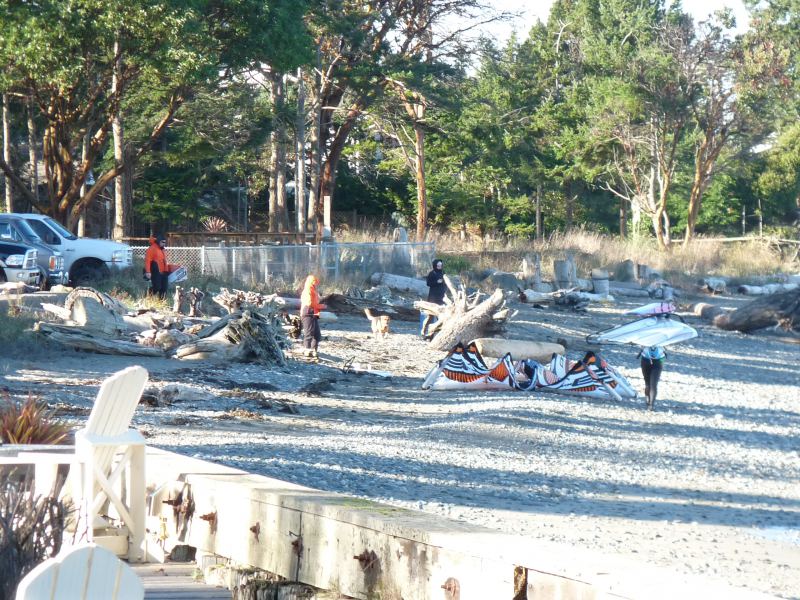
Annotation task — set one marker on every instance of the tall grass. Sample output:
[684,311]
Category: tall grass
[680,264]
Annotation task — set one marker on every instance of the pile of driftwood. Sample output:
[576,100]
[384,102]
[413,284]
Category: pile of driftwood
[94,321]
[465,317]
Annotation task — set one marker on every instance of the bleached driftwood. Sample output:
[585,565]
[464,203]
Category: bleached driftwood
[195,300]
[464,318]
[775,310]
[400,283]
[765,290]
[714,285]
[80,338]
[247,336]
[350,305]
[102,298]
[615,290]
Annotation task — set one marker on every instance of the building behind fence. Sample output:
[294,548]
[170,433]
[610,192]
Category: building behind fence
[332,261]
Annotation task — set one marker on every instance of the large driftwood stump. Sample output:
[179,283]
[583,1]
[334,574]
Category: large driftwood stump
[782,309]
[241,337]
[465,318]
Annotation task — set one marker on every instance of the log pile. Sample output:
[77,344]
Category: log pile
[465,317]
[96,322]
[239,337]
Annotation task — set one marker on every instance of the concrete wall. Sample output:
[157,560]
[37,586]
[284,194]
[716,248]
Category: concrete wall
[373,551]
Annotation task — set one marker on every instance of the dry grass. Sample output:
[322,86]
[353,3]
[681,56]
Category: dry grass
[680,265]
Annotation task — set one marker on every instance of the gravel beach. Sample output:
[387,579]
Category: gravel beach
[707,483]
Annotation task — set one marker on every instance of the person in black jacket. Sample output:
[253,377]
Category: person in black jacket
[435,281]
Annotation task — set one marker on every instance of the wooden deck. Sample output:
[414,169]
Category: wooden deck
[176,582]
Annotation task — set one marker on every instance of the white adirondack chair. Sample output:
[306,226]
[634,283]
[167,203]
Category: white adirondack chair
[81,573]
[110,466]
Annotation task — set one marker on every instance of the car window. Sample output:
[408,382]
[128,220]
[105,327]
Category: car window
[58,227]
[5,231]
[26,231]
[44,232]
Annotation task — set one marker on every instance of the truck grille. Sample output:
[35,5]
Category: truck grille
[31,257]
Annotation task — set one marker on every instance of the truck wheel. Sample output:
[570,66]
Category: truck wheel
[87,274]
[3,278]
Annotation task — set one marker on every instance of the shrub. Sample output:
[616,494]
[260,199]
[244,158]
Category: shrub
[29,422]
[31,530]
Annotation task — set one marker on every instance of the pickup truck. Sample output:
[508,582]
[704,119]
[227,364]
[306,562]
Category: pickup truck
[85,259]
[18,264]
[51,262]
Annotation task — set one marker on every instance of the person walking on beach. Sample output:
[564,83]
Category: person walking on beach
[156,268]
[652,362]
[435,281]
[310,308]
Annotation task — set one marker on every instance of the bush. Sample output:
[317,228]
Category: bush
[29,422]
[31,530]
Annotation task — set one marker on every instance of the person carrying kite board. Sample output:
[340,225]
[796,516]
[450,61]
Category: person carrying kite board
[156,268]
[310,308]
[652,362]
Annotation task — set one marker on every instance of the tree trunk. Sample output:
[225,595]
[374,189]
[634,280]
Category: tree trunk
[33,162]
[623,218]
[120,205]
[84,152]
[9,198]
[538,201]
[280,176]
[300,155]
[422,192]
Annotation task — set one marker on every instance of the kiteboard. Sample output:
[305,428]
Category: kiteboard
[650,331]
[654,308]
[178,275]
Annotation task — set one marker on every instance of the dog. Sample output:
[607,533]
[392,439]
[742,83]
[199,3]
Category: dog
[378,323]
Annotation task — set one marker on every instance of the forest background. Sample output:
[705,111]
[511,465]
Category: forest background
[615,116]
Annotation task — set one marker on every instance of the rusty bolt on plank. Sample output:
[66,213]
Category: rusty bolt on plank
[452,589]
[212,520]
[367,559]
[297,546]
[256,529]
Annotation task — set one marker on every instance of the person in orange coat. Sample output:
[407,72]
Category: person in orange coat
[310,308]
[156,268]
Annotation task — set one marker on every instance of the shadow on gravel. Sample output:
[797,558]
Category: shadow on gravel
[412,481]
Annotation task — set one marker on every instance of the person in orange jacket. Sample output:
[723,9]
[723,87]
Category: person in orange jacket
[156,268]
[310,308]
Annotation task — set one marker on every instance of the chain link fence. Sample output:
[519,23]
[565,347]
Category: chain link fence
[252,265]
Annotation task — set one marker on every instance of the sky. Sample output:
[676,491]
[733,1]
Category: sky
[531,10]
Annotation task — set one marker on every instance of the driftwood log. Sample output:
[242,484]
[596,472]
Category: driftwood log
[775,310]
[400,283]
[81,338]
[464,318]
[246,336]
[348,305]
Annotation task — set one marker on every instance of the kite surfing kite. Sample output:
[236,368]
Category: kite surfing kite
[656,327]
[465,369]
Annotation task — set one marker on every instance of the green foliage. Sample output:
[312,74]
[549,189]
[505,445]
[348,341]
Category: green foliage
[29,422]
